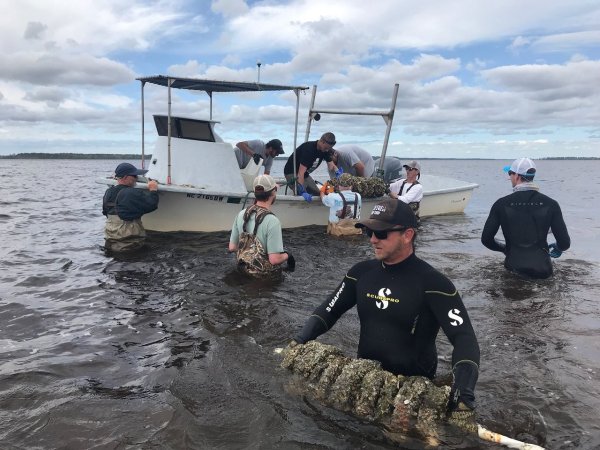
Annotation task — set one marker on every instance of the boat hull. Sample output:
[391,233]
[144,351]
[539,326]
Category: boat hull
[199,210]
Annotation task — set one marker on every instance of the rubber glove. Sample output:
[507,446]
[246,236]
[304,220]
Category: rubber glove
[256,157]
[553,251]
[300,189]
[339,172]
[307,197]
[464,418]
[461,405]
[291,262]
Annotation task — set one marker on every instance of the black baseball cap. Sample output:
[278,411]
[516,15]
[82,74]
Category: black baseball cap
[389,213]
[125,169]
[276,145]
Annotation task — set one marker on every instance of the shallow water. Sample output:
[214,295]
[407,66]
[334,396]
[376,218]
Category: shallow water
[171,348]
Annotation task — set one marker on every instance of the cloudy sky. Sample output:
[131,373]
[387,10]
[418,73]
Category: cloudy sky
[492,79]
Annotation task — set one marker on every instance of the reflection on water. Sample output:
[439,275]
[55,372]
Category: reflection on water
[171,347]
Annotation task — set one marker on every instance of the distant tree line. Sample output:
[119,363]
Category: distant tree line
[73,156]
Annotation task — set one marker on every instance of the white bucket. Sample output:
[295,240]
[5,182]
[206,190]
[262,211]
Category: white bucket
[249,173]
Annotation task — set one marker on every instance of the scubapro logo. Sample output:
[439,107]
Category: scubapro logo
[382,303]
[454,314]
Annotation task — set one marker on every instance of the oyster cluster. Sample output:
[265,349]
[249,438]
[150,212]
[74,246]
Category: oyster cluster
[403,405]
[367,187]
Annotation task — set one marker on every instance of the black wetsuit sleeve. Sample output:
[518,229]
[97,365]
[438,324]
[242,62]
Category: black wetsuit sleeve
[134,203]
[559,229]
[492,224]
[327,314]
[444,301]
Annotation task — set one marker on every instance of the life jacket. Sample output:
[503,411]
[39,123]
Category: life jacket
[345,226]
[413,205]
[251,254]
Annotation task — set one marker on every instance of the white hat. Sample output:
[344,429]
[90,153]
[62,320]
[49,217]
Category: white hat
[266,182]
[522,166]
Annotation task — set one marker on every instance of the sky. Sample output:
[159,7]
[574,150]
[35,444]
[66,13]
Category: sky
[477,79]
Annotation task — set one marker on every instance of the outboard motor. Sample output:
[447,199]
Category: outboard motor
[392,168]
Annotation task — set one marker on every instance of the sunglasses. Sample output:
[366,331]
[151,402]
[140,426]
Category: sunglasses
[510,172]
[381,235]
[410,169]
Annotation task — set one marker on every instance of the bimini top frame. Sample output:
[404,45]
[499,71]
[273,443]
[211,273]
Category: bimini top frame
[209,86]
[388,117]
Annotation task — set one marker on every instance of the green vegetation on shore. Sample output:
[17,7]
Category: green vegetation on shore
[126,156]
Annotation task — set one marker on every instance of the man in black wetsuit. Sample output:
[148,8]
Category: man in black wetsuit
[123,206]
[309,156]
[402,302]
[525,217]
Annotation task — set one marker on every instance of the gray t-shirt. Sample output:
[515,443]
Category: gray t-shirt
[257,146]
[349,155]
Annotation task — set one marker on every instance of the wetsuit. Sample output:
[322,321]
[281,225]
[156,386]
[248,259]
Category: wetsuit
[401,308]
[525,216]
[123,207]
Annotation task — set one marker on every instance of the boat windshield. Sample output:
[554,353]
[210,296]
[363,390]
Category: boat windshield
[196,130]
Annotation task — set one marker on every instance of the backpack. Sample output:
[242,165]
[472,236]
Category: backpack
[251,254]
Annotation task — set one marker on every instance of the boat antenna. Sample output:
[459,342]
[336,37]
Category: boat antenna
[258,64]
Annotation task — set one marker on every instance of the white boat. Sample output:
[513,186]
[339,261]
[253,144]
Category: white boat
[201,187]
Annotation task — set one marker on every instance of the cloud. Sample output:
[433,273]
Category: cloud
[229,8]
[34,30]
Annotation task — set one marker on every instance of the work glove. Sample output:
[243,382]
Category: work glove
[465,376]
[291,262]
[553,251]
[339,172]
[256,157]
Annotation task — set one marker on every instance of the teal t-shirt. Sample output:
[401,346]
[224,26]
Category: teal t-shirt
[268,233]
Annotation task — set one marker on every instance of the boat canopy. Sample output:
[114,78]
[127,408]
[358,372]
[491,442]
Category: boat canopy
[194,84]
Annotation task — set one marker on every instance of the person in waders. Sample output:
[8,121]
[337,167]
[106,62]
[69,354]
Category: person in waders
[344,208]
[256,235]
[409,190]
[525,217]
[124,206]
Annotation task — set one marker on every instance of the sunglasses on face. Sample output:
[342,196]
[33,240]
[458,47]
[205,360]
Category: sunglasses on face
[510,172]
[410,169]
[381,235]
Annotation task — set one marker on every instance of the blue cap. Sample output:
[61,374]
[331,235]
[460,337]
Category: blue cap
[125,169]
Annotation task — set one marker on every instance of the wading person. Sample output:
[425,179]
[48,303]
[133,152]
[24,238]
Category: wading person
[256,234]
[257,150]
[309,156]
[409,190]
[402,302]
[525,217]
[344,207]
[124,206]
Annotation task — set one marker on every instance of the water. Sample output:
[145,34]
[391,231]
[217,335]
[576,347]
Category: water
[171,348]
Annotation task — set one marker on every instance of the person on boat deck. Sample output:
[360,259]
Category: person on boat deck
[256,235]
[124,206]
[354,160]
[409,190]
[344,207]
[525,217]
[257,150]
[402,302]
[309,156]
